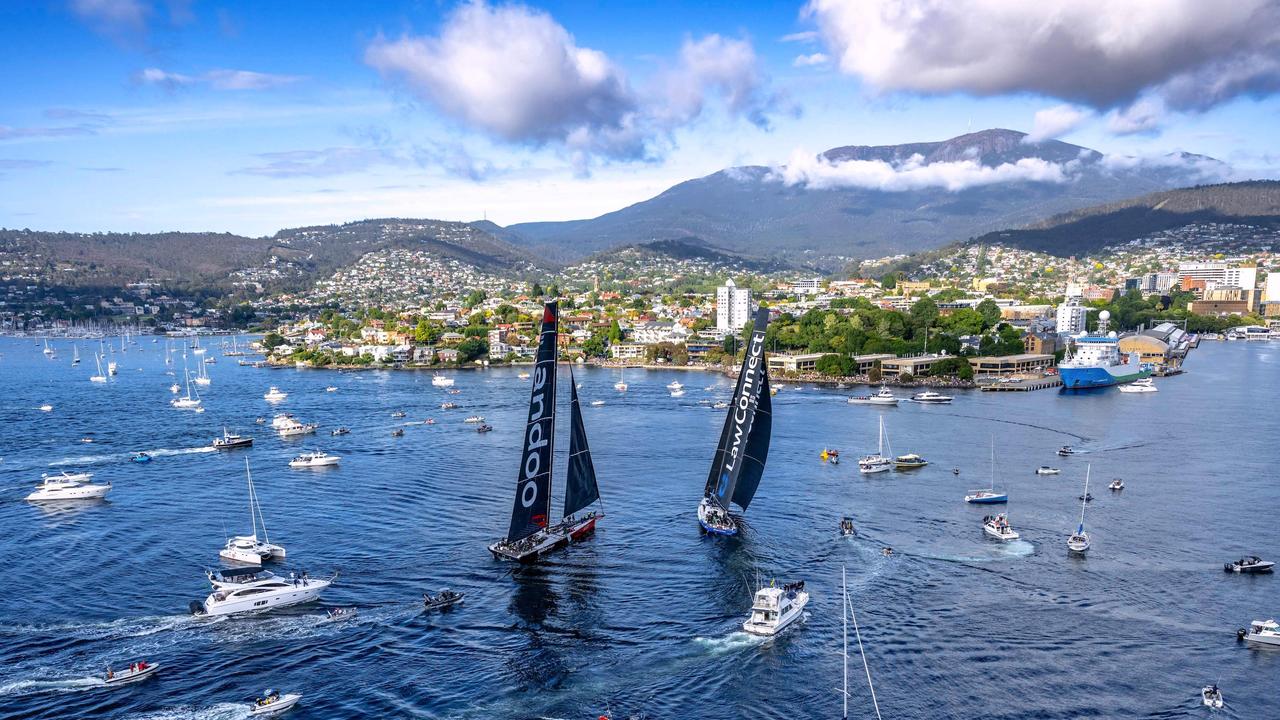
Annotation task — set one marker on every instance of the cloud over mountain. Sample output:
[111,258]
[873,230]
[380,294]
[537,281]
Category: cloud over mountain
[817,172]
[516,74]
[1105,54]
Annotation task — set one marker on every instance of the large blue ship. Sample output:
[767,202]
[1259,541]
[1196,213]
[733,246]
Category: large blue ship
[1096,361]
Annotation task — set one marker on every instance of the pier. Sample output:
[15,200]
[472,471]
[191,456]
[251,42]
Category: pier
[1023,384]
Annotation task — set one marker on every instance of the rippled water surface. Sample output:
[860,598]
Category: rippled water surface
[643,618]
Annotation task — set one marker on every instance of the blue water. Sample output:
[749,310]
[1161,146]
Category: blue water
[643,618]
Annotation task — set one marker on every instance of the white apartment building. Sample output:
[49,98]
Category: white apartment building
[733,306]
[1240,277]
[1071,317]
[1273,288]
[807,286]
[1207,271]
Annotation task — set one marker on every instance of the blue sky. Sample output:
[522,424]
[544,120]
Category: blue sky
[248,117]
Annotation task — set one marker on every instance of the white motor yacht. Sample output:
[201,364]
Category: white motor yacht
[67,486]
[929,396]
[1265,632]
[314,459]
[273,704]
[293,428]
[1046,470]
[240,590]
[774,608]
[997,526]
[274,394]
[675,385]
[1144,385]
[439,380]
[113,368]
[282,420]
[249,549]
[884,397]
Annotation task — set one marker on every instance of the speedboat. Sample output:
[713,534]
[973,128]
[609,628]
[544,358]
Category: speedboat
[909,461]
[1087,497]
[1066,450]
[1046,470]
[677,393]
[1265,632]
[398,432]
[68,486]
[140,670]
[720,405]
[929,396]
[775,608]
[331,388]
[846,527]
[715,519]
[231,441]
[275,394]
[340,431]
[523,375]
[1116,484]
[997,526]
[340,613]
[484,428]
[439,380]
[398,414]
[884,397]
[141,457]
[598,403]
[240,590]
[314,459]
[46,408]
[675,385]
[1250,564]
[1144,385]
[986,497]
[444,599]
[273,704]
[1212,697]
[474,419]
[449,406]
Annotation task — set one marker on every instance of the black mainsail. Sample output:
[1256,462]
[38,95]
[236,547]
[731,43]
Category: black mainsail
[580,488]
[532,505]
[738,463]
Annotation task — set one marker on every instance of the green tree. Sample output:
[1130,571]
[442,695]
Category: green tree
[272,340]
[594,346]
[474,298]
[615,332]
[924,312]
[875,374]
[471,349]
[835,365]
[989,311]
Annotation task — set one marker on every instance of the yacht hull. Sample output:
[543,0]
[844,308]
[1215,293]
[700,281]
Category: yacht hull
[544,541]
[87,492]
[794,612]
[296,595]
[712,528]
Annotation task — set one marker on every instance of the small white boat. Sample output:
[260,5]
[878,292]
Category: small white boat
[474,419]
[621,385]
[774,608]
[931,397]
[884,397]
[1264,632]
[1249,565]
[112,368]
[1211,696]
[879,462]
[67,486]
[1046,470]
[997,526]
[314,459]
[1116,484]
[677,393]
[449,406]
[597,403]
[523,375]
[439,380]
[1066,450]
[174,388]
[273,704]
[138,671]
[1144,385]
[675,385]
[241,590]
[275,394]
[99,378]
[331,388]
[293,428]
[720,405]
[46,408]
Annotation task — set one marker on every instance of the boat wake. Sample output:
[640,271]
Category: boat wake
[33,687]
[123,628]
[221,711]
[99,459]
[734,641]
[162,452]
[1077,436]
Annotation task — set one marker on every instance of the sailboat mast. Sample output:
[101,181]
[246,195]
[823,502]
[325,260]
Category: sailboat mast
[1084,499]
[844,623]
[993,463]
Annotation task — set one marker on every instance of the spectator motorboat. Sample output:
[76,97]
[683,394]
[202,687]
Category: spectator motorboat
[931,397]
[231,441]
[1046,470]
[910,461]
[884,397]
[846,526]
[273,703]
[1116,484]
[274,394]
[997,526]
[1265,632]
[136,672]
[1066,450]
[1250,564]
[242,590]
[67,486]
[446,598]
[314,459]
[1212,697]
[774,608]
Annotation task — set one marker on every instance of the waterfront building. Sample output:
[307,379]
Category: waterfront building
[1071,317]
[733,306]
[1011,364]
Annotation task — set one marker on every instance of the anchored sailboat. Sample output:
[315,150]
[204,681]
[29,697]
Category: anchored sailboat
[738,464]
[530,534]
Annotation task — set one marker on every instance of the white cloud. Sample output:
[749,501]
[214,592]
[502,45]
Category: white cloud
[113,16]
[319,163]
[1098,52]
[1056,121]
[514,73]
[806,36]
[1143,116]
[818,173]
[219,79]
[811,60]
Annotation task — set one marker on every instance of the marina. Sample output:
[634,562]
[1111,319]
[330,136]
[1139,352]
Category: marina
[523,642]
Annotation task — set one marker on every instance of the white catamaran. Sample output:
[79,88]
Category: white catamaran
[248,549]
[530,533]
[738,463]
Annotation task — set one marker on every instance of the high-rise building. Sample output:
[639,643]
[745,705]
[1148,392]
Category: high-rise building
[1240,277]
[733,307]
[1214,271]
[1273,288]
[1071,317]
